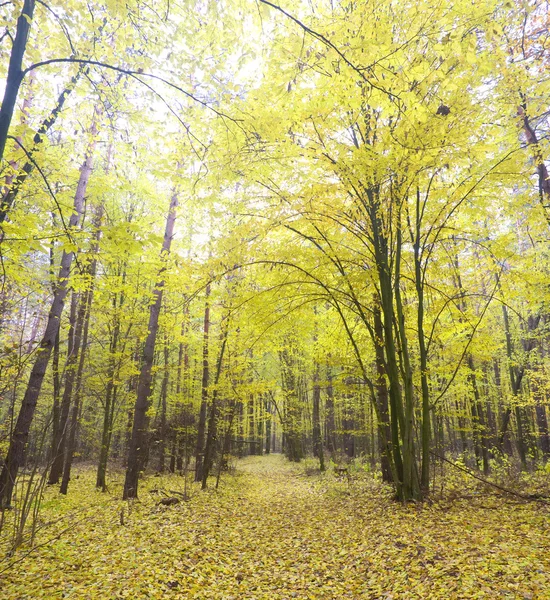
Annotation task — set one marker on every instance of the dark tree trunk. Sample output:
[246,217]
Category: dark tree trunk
[330,424]
[138,441]
[212,435]
[73,343]
[16,451]
[15,72]
[267,427]
[317,440]
[480,427]
[75,330]
[84,316]
[11,194]
[163,399]
[384,432]
[201,430]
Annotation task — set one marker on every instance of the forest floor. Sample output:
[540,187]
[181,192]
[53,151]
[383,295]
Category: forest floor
[272,531]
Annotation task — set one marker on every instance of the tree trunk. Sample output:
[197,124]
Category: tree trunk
[110,396]
[480,427]
[199,449]
[317,440]
[75,330]
[330,424]
[84,316]
[384,433]
[11,193]
[58,443]
[15,72]
[163,399]
[138,441]
[16,451]
[212,435]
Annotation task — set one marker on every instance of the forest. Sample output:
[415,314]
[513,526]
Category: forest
[273,289]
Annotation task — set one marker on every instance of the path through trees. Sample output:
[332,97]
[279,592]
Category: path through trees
[274,531]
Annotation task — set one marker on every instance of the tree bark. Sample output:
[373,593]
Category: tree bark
[212,435]
[317,439]
[330,423]
[16,451]
[163,408]
[15,72]
[138,441]
[384,433]
[84,316]
[199,449]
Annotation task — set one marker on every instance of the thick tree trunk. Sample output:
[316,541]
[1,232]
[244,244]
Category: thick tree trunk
[138,441]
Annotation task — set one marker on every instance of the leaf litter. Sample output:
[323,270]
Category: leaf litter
[270,532]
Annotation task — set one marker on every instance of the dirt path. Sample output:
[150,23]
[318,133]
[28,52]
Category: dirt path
[274,533]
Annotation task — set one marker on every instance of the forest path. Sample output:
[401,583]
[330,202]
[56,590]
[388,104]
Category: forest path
[271,532]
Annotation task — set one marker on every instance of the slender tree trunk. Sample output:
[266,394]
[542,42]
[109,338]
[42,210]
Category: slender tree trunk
[397,415]
[110,394]
[58,444]
[163,410]
[16,451]
[268,417]
[330,424]
[55,374]
[12,191]
[15,72]
[292,422]
[212,434]
[199,449]
[138,441]
[516,376]
[75,331]
[542,422]
[317,439]
[84,316]
[411,484]
[480,427]
[384,433]
[423,353]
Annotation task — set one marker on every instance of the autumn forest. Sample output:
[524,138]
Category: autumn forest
[274,283]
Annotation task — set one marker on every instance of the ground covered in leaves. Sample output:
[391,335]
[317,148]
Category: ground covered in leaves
[274,532]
